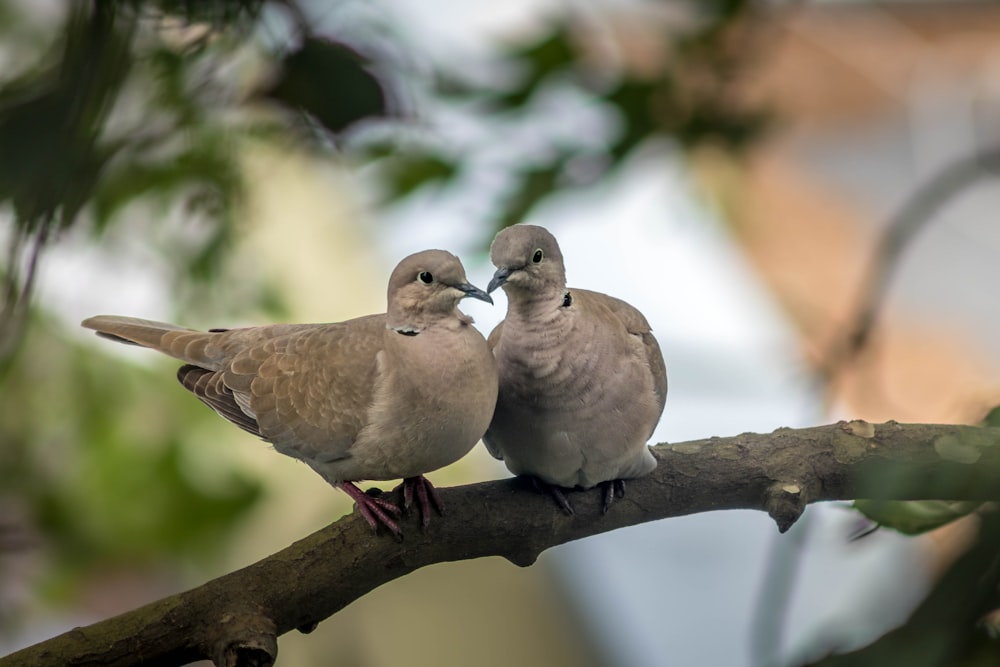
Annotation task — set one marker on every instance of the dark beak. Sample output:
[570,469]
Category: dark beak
[499,278]
[474,292]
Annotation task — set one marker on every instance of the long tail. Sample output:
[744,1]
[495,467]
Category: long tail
[188,345]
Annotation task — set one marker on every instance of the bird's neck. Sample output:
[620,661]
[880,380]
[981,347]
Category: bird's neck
[528,304]
[411,324]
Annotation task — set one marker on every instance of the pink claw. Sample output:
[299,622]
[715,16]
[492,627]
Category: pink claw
[427,497]
[375,510]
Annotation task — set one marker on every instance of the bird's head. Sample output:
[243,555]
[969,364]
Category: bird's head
[428,284]
[528,261]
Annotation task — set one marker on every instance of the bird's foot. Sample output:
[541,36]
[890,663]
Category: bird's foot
[611,489]
[557,495]
[375,510]
[427,497]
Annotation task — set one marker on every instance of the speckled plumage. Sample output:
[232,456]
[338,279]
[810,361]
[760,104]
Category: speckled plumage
[582,379]
[380,397]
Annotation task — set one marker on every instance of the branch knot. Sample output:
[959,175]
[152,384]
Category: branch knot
[247,638]
[785,503]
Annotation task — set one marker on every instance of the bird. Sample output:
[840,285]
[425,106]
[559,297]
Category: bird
[379,397]
[582,378]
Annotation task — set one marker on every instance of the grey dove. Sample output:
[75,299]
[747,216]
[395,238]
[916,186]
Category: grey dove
[380,397]
[582,379]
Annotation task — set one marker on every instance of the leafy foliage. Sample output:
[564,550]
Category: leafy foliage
[100,450]
[71,144]
[132,110]
[946,628]
[688,99]
[913,517]
[134,106]
[407,173]
[222,13]
[51,119]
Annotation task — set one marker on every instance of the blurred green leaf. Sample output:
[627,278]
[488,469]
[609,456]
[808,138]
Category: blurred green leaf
[216,12]
[331,82]
[533,185]
[992,417]
[205,262]
[913,517]
[734,129]
[553,53]
[406,173]
[716,17]
[201,166]
[635,102]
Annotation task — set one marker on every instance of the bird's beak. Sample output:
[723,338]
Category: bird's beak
[499,278]
[474,292]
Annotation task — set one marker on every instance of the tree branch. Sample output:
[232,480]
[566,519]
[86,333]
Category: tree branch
[905,226]
[235,618]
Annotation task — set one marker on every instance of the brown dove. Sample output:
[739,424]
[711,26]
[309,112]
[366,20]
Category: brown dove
[380,397]
[582,380]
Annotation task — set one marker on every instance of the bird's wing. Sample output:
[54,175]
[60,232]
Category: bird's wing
[491,342]
[210,387]
[494,336]
[310,387]
[636,324]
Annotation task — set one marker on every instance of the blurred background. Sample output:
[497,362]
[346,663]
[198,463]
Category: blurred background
[801,198]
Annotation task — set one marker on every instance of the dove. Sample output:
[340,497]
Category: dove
[380,397]
[582,379]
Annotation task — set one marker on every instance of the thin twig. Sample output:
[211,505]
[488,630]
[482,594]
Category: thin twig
[916,213]
[18,291]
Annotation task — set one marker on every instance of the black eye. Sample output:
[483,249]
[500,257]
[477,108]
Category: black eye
[537,257]
[425,277]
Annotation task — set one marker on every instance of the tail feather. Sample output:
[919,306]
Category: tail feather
[117,339]
[130,329]
[188,345]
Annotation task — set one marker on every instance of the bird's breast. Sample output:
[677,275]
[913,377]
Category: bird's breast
[537,368]
[433,402]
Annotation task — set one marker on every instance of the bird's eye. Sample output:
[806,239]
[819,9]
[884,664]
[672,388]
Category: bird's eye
[537,257]
[425,277]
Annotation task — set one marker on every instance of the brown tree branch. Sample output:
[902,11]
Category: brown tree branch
[235,619]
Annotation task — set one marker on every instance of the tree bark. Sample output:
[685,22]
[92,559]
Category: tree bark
[236,618]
